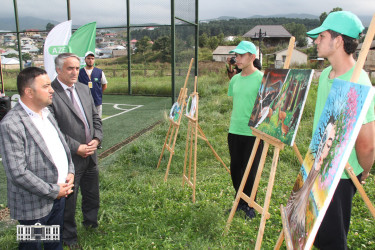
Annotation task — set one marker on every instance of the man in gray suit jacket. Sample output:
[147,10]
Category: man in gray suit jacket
[77,117]
[36,157]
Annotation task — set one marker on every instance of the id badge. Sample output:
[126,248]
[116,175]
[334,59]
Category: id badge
[90,84]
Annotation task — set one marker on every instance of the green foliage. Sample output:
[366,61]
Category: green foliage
[49,27]
[26,56]
[143,45]
[238,27]
[203,40]
[298,30]
[10,55]
[324,15]
[213,42]
[205,54]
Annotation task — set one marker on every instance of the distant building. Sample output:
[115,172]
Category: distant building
[370,59]
[10,63]
[221,53]
[298,58]
[229,38]
[31,32]
[271,34]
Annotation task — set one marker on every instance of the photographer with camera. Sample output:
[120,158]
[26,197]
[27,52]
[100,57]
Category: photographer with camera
[233,69]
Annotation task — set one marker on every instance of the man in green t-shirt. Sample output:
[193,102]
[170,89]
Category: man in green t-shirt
[337,40]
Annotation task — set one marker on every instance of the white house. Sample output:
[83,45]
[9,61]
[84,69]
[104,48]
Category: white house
[221,53]
[10,63]
[298,58]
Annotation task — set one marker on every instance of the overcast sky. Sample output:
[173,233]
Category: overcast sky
[113,12]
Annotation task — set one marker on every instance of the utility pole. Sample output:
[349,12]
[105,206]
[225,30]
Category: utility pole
[261,36]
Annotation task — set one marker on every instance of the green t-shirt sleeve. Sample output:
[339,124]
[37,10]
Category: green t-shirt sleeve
[230,88]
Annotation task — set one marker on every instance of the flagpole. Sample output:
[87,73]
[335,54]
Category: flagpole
[68,9]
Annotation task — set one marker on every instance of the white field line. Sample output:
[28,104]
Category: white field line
[117,106]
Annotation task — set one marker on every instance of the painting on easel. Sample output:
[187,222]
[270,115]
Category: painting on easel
[280,102]
[191,106]
[174,114]
[328,153]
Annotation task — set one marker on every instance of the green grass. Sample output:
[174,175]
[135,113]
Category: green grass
[141,211]
[118,128]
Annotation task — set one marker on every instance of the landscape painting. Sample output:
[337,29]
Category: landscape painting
[280,102]
[327,155]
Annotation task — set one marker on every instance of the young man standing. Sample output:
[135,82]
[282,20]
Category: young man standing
[337,40]
[95,79]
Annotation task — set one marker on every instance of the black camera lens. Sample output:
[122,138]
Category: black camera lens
[233,60]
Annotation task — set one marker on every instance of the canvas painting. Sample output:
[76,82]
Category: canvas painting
[325,160]
[280,102]
[174,113]
[191,106]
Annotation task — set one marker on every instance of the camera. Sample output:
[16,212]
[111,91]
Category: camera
[232,60]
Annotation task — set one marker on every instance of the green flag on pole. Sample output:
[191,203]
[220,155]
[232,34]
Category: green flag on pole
[83,40]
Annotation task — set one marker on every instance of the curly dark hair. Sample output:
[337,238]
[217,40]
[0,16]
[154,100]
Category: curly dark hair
[350,43]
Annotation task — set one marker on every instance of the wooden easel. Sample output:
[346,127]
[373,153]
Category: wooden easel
[194,132]
[1,79]
[268,140]
[174,126]
[356,73]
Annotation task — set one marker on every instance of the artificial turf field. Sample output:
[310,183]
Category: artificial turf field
[123,116]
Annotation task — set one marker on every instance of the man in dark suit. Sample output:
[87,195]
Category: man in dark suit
[77,117]
[36,157]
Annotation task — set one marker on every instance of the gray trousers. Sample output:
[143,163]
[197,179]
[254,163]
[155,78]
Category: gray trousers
[87,178]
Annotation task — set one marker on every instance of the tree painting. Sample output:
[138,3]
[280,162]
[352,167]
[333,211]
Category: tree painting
[280,102]
[328,153]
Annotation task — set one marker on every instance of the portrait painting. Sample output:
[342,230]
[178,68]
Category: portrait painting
[325,160]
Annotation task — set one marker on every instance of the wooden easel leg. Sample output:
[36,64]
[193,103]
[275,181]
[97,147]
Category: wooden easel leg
[212,149]
[191,150]
[280,241]
[267,198]
[195,158]
[165,143]
[186,153]
[258,176]
[299,156]
[172,151]
[242,185]
[360,189]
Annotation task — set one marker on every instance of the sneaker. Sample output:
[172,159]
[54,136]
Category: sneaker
[249,211]
[239,207]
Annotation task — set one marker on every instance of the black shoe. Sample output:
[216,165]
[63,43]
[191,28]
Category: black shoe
[249,211]
[239,207]
[74,245]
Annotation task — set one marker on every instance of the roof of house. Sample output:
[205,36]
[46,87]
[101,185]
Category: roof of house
[9,61]
[372,46]
[223,50]
[275,31]
[277,52]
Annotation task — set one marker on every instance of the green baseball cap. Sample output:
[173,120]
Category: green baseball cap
[245,47]
[343,22]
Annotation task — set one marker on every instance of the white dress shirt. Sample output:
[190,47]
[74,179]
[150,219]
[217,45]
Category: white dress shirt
[78,101]
[52,140]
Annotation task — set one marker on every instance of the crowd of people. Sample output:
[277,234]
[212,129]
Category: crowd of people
[49,140]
